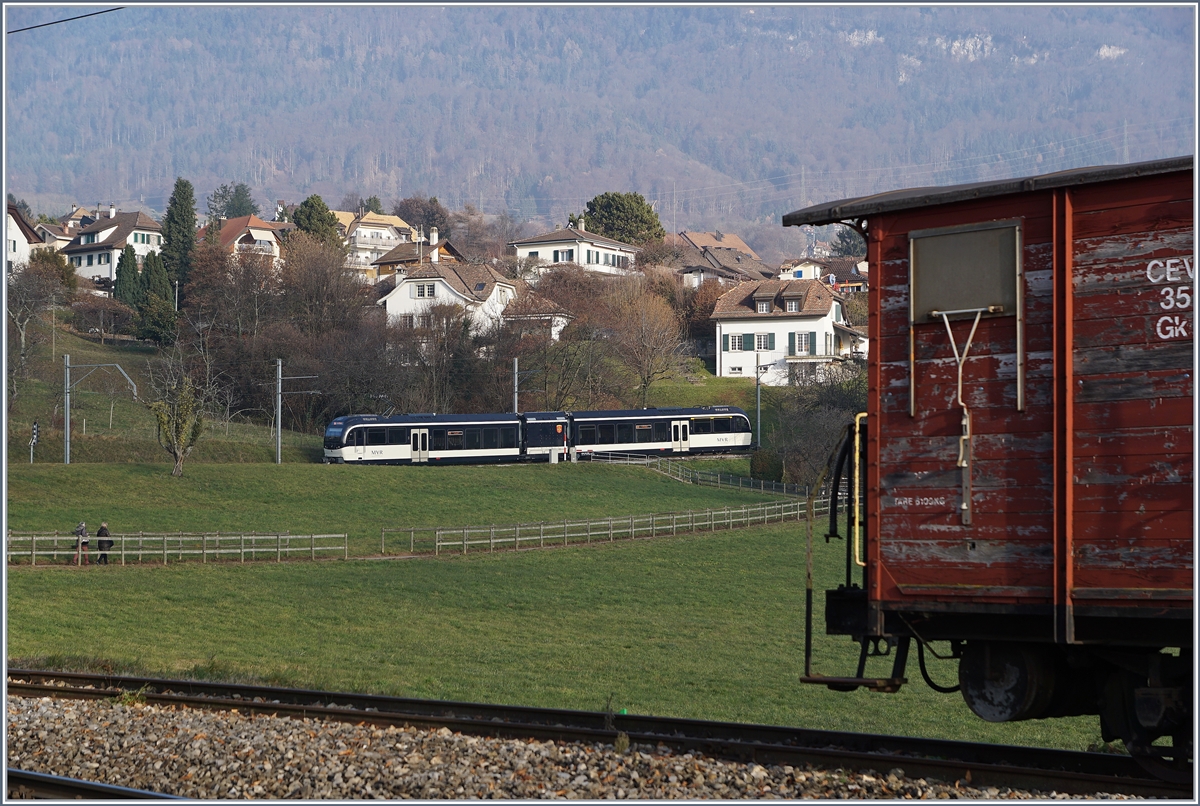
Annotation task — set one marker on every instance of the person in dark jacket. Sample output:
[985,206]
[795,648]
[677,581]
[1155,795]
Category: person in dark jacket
[103,542]
[81,543]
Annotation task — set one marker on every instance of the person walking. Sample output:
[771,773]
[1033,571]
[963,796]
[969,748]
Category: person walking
[103,543]
[81,543]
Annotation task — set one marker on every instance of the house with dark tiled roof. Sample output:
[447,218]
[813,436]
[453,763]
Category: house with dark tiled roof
[20,239]
[728,266]
[369,236]
[717,240]
[54,237]
[576,245]
[96,247]
[481,290]
[405,257]
[846,275]
[785,328]
[247,233]
[534,314]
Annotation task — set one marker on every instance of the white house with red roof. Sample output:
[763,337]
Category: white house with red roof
[788,327]
[96,247]
[247,233]
[576,245]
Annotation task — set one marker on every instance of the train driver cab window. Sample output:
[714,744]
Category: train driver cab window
[587,435]
[624,432]
[376,436]
[741,425]
[491,438]
[702,426]
[508,437]
[722,425]
[662,431]
[397,436]
[437,439]
[607,433]
[643,432]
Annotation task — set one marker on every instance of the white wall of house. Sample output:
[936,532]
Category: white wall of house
[597,257]
[16,245]
[414,297]
[780,343]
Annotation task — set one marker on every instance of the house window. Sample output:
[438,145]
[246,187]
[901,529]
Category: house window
[425,290]
[533,254]
[406,320]
[78,261]
[764,341]
[735,342]
[763,306]
[89,262]
[564,255]
[158,240]
[793,306]
[89,238]
[803,345]
[105,258]
[735,370]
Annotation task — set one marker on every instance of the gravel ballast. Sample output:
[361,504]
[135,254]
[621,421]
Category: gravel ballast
[199,753]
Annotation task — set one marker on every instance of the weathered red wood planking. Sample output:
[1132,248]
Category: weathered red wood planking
[1133,407]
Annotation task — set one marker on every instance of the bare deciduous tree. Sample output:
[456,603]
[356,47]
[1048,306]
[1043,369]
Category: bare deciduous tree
[646,336]
[32,289]
[320,293]
[104,314]
[176,408]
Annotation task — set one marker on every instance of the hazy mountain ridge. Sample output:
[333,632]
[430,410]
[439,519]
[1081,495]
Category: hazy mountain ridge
[748,112]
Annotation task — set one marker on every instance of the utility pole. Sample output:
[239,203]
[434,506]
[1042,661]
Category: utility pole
[67,384]
[758,400]
[516,381]
[278,411]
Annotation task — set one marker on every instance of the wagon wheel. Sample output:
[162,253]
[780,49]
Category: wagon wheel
[1172,763]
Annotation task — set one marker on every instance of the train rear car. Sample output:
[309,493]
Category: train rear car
[1024,467]
[423,439]
[662,431]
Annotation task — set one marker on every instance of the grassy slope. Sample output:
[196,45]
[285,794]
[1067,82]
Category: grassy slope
[303,498]
[706,626]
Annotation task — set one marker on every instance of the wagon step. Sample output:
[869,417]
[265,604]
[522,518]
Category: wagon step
[887,685]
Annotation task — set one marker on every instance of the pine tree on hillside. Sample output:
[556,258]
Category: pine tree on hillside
[313,217]
[626,217]
[154,279]
[128,285]
[179,231]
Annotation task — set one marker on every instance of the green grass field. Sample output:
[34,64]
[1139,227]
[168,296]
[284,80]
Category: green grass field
[707,626]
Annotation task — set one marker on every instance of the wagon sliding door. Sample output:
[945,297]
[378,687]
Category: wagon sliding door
[680,438]
[419,445]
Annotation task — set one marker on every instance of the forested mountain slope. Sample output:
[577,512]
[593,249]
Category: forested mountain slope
[718,114]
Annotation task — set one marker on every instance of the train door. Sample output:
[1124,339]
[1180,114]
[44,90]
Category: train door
[679,436]
[420,445]
[360,439]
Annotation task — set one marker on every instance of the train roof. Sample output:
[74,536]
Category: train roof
[419,419]
[666,411]
[913,198]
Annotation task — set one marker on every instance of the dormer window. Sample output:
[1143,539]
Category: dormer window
[793,306]
[89,238]
[764,306]
[479,286]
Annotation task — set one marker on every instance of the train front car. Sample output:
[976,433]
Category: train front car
[423,439]
[1021,485]
[662,431]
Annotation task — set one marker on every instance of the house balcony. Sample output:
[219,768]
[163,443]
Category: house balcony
[254,248]
[372,242]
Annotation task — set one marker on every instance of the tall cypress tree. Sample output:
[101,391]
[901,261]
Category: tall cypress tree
[154,279]
[128,286]
[179,232]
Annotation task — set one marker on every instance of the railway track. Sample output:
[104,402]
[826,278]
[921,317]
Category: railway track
[24,785]
[979,764]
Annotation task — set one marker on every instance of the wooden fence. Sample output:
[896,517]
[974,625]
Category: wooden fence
[155,547]
[463,539]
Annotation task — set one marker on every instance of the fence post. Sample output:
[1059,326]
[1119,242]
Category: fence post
[517,538]
[381,533]
[181,545]
[565,529]
[412,541]
[345,547]
[32,548]
[140,541]
[164,548]
[122,549]
[465,539]
[542,534]
[312,547]
[492,538]
[437,541]
[632,533]
[673,522]
[278,547]
[610,530]
[243,548]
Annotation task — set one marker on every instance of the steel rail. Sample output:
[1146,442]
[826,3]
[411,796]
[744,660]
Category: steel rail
[980,764]
[23,784]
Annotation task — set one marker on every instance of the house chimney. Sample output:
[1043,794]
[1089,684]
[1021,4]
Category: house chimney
[582,227]
[112,211]
[433,236]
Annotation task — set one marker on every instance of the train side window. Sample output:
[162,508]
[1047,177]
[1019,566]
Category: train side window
[508,437]
[587,435]
[376,436]
[608,433]
[684,436]
[454,440]
[702,426]
[662,431]
[643,432]
[722,425]
[437,439]
[414,441]
[624,432]
[397,436]
[491,438]
[470,439]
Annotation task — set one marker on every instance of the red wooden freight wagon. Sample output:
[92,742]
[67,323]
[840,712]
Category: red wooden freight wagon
[1023,471]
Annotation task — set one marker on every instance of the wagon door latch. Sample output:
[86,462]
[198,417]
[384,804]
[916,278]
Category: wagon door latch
[965,442]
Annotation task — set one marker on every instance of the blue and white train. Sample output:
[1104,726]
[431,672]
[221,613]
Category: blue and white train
[534,436]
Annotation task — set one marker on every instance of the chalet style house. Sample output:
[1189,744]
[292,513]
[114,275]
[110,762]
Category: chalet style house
[791,327]
[96,247]
[248,233]
[577,245]
[846,275]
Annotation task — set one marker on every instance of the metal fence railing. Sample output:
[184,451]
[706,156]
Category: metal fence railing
[156,547]
[706,478]
[463,539]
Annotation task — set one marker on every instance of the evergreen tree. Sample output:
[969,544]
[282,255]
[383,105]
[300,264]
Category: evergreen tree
[179,231]
[313,217]
[231,201]
[154,279]
[157,320]
[374,205]
[848,243]
[426,213]
[128,285]
[626,217]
